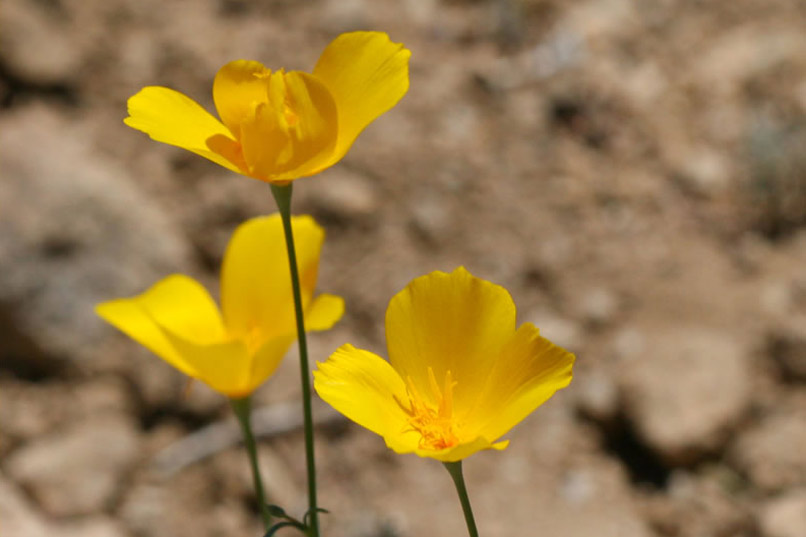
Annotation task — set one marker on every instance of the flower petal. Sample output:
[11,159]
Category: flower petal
[256,297]
[170,117]
[224,366]
[462,451]
[528,371]
[178,303]
[367,75]
[267,358]
[364,387]
[238,88]
[449,322]
[324,312]
[294,132]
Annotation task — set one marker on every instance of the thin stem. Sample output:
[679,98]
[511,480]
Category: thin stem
[242,408]
[282,195]
[455,469]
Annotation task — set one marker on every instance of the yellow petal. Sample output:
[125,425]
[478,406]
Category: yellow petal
[324,312]
[170,117]
[238,88]
[364,387]
[294,132]
[265,361]
[449,322]
[528,371]
[462,451]
[367,75]
[224,366]
[256,297]
[178,303]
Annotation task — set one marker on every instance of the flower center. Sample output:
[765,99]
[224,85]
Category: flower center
[436,426]
[291,117]
[253,338]
[295,125]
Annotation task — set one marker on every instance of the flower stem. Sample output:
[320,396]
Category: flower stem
[455,469]
[242,408]
[282,195]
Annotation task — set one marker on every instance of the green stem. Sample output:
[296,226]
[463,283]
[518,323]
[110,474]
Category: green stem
[282,195]
[455,469]
[242,408]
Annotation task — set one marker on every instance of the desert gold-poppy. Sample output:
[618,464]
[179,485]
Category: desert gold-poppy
[236,348]
[459,376]
[278,126]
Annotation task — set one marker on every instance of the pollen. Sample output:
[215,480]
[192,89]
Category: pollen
[263,74]
[433,419]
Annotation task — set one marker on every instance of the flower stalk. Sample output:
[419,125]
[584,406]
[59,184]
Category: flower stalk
[455,469]
[242,408]
[282,195]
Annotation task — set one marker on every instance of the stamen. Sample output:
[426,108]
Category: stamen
[436,426]
[446,404]
[434,386]
[291,117]
[253,338]
[265,73]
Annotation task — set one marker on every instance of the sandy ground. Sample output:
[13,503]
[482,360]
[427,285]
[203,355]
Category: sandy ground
[633,172]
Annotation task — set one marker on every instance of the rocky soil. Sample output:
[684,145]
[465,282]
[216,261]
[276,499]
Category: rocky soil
[633,172]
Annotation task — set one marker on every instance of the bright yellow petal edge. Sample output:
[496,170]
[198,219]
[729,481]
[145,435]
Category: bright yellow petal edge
[178,320]
[430,415]
[367,74]
[172,118]
[279,126]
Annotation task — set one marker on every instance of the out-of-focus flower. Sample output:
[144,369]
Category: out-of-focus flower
[459,374]
[279,126]
[233,350]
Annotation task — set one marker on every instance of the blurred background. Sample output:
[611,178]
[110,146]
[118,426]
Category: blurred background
[633,172]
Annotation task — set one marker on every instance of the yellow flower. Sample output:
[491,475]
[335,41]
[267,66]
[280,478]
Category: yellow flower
[279,126]
[235,349]
[459,374]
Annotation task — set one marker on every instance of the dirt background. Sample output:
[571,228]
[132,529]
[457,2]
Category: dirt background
[633,172]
